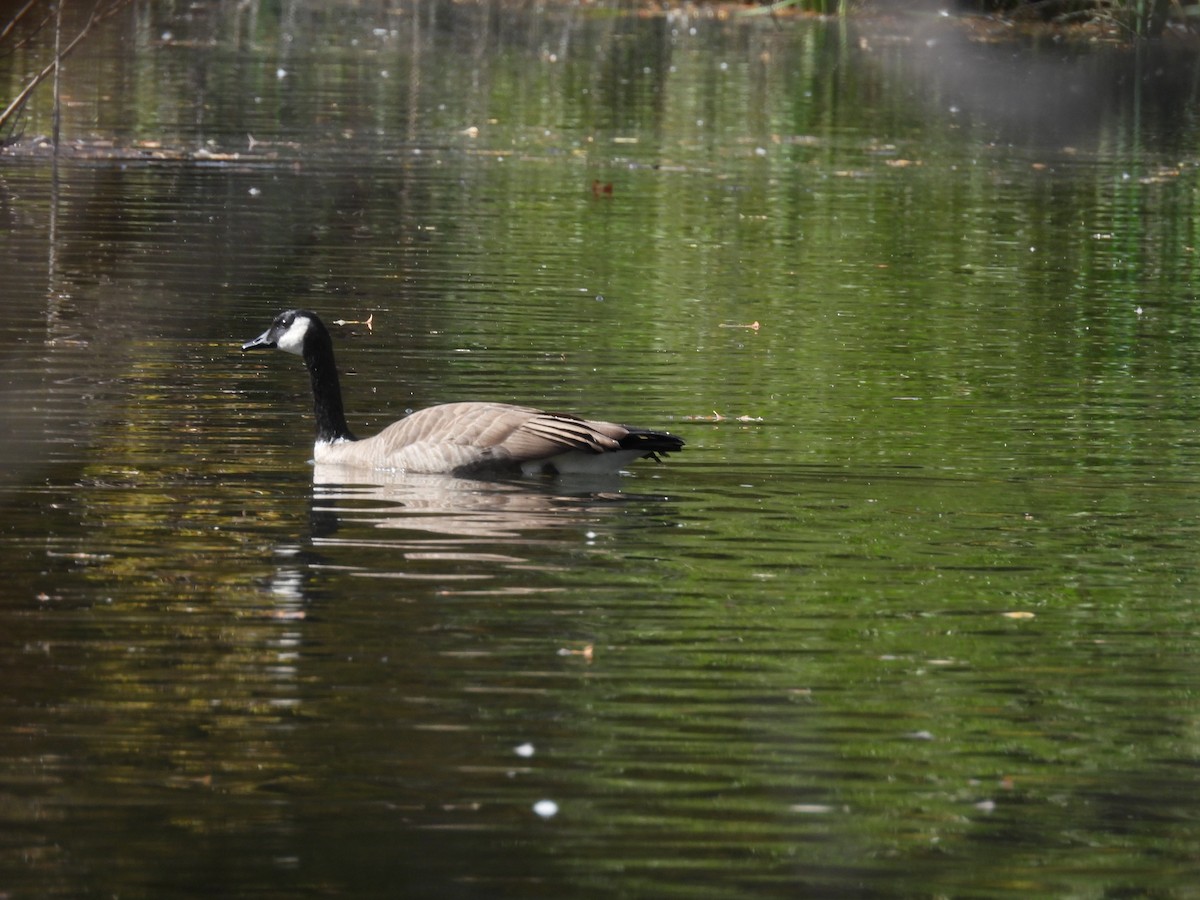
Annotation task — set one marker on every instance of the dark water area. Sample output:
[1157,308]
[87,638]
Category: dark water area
[913,614]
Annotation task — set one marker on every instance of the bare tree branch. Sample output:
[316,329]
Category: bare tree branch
[12,23]
[95,16]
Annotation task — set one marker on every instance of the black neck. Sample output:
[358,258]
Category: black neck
[327,391]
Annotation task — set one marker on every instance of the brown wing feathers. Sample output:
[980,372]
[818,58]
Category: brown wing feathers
[571,433]
[497,430]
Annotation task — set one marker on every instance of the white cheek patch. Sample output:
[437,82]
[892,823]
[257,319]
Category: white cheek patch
[292,340]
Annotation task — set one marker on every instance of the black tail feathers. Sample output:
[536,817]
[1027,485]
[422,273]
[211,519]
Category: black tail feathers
[651,443]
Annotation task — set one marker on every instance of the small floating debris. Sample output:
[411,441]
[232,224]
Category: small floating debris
[717,417]
[369,320]
[525,750]
[547,809]
[588,652]
[282,614]
[753,326]
[1018,614]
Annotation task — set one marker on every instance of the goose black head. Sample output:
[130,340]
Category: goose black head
[289,332]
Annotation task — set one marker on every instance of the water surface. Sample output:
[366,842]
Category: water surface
[912,614]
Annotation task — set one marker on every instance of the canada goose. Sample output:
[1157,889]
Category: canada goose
[455,438]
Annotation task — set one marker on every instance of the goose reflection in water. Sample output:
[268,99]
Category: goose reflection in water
[508,511]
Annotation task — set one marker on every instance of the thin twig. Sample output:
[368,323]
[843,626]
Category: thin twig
[56,128]
[12,23]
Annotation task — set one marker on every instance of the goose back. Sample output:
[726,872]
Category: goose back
[475,436]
